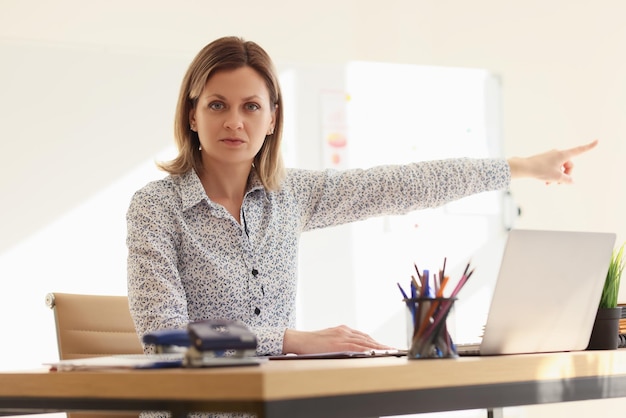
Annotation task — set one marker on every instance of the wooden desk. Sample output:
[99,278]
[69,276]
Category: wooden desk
[329,388]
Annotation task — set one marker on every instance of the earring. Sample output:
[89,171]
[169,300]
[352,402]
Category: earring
[200,148]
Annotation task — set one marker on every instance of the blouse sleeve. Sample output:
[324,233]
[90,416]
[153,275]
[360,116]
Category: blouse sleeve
[155,292]
[335,197]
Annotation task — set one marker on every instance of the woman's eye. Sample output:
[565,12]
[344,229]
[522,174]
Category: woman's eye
[252,106]
[216,105]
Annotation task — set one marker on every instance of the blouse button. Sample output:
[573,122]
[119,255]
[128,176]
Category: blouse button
[255,272]
[257,311]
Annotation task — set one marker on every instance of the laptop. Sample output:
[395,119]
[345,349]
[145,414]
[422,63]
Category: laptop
[547,292]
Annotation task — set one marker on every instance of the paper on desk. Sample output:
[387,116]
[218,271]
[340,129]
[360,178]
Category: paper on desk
[149,361]
[122,361]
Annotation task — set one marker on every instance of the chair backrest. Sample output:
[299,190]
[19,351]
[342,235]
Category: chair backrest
[93,325]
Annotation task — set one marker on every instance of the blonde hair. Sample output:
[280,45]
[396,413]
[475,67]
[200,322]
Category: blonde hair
[228,53]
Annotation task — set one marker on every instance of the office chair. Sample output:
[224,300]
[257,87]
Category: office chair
[92,326]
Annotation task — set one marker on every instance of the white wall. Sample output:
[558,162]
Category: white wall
[561,62]
[562,65]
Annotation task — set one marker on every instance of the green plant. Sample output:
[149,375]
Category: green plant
[613,277]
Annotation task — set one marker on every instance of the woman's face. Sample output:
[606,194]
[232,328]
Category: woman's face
[232,116]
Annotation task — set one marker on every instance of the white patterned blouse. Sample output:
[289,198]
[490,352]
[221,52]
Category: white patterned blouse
[189,259]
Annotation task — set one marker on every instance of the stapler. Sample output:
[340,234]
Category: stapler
[168,340]
[208,343]
[220,341]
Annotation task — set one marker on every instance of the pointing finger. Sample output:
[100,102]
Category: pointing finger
[572,152]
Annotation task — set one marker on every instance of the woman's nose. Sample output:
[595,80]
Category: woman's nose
[234,120]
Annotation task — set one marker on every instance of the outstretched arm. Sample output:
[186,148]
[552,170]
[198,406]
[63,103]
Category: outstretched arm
[551,166]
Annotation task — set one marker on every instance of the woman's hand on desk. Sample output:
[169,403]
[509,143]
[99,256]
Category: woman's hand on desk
[340,338]
[551,166]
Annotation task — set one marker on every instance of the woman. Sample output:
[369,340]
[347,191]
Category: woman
[218,237]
